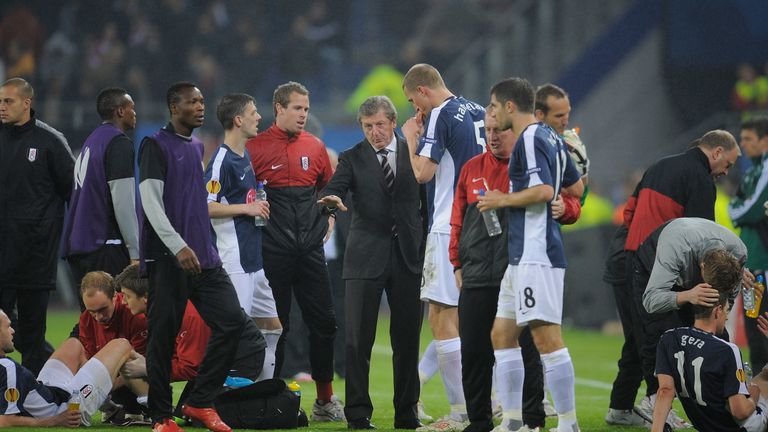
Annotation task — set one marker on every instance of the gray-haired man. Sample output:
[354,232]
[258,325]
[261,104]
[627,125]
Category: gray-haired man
[386,229]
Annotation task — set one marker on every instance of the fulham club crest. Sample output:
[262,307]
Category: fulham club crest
[305,162]
[32,155]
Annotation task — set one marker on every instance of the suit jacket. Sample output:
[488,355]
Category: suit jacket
[374,210]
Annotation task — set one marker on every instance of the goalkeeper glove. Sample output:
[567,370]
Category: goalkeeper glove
[577,150]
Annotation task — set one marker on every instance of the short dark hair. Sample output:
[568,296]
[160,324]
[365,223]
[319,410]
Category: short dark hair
[231,106]
[543,92]
[757,124]
[702,311]
[283,92]
[109,100]
[24,88]
[97,281]
[423,74]
[373,105]
[717,138]
[173,95]
[517,90]
[131,279]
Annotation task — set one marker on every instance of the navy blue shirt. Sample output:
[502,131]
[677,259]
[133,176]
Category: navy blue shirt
[454,132]
[229,179]
[540,157]
[24,395]
[707,371]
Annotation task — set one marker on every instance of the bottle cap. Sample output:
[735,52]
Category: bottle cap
[481,192]
[761,279]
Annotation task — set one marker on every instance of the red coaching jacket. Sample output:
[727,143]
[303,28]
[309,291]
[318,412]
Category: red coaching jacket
[295,168]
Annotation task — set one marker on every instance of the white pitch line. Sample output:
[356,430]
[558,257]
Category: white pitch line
[594,383]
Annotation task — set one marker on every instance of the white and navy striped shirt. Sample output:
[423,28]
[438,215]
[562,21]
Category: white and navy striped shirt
[539,157]
[454,133]
[237,238]
[24,395]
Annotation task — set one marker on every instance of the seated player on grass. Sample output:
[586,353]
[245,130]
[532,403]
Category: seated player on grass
[706,372]
[43,400]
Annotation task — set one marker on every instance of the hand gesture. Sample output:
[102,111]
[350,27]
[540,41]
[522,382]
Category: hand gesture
[703,295]
[332,201]
[188,260]
[413,127]
[558,207]
[491,200]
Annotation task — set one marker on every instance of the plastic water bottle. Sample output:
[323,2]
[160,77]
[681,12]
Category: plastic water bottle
[748,298]
[757,296]
[747,372]
[261,195]
[74,401]
[491,219]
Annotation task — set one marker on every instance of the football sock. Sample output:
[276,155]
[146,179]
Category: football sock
[510,373]
[271,336]
[560,380]
[428,365]
[449,358]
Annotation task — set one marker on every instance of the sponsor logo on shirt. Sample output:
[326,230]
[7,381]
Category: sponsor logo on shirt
[274,167]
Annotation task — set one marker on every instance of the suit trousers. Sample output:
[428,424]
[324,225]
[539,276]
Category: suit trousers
[362,300]
[306,277]
[214,297]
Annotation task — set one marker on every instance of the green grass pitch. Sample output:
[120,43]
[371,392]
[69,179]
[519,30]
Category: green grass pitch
[594,356]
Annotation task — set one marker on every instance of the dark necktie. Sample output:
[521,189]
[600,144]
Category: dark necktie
[389,176]
[389,179]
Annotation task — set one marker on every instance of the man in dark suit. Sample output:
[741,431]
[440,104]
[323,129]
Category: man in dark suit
[384,252]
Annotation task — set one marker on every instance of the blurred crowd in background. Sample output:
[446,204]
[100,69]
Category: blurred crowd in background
[342,50]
